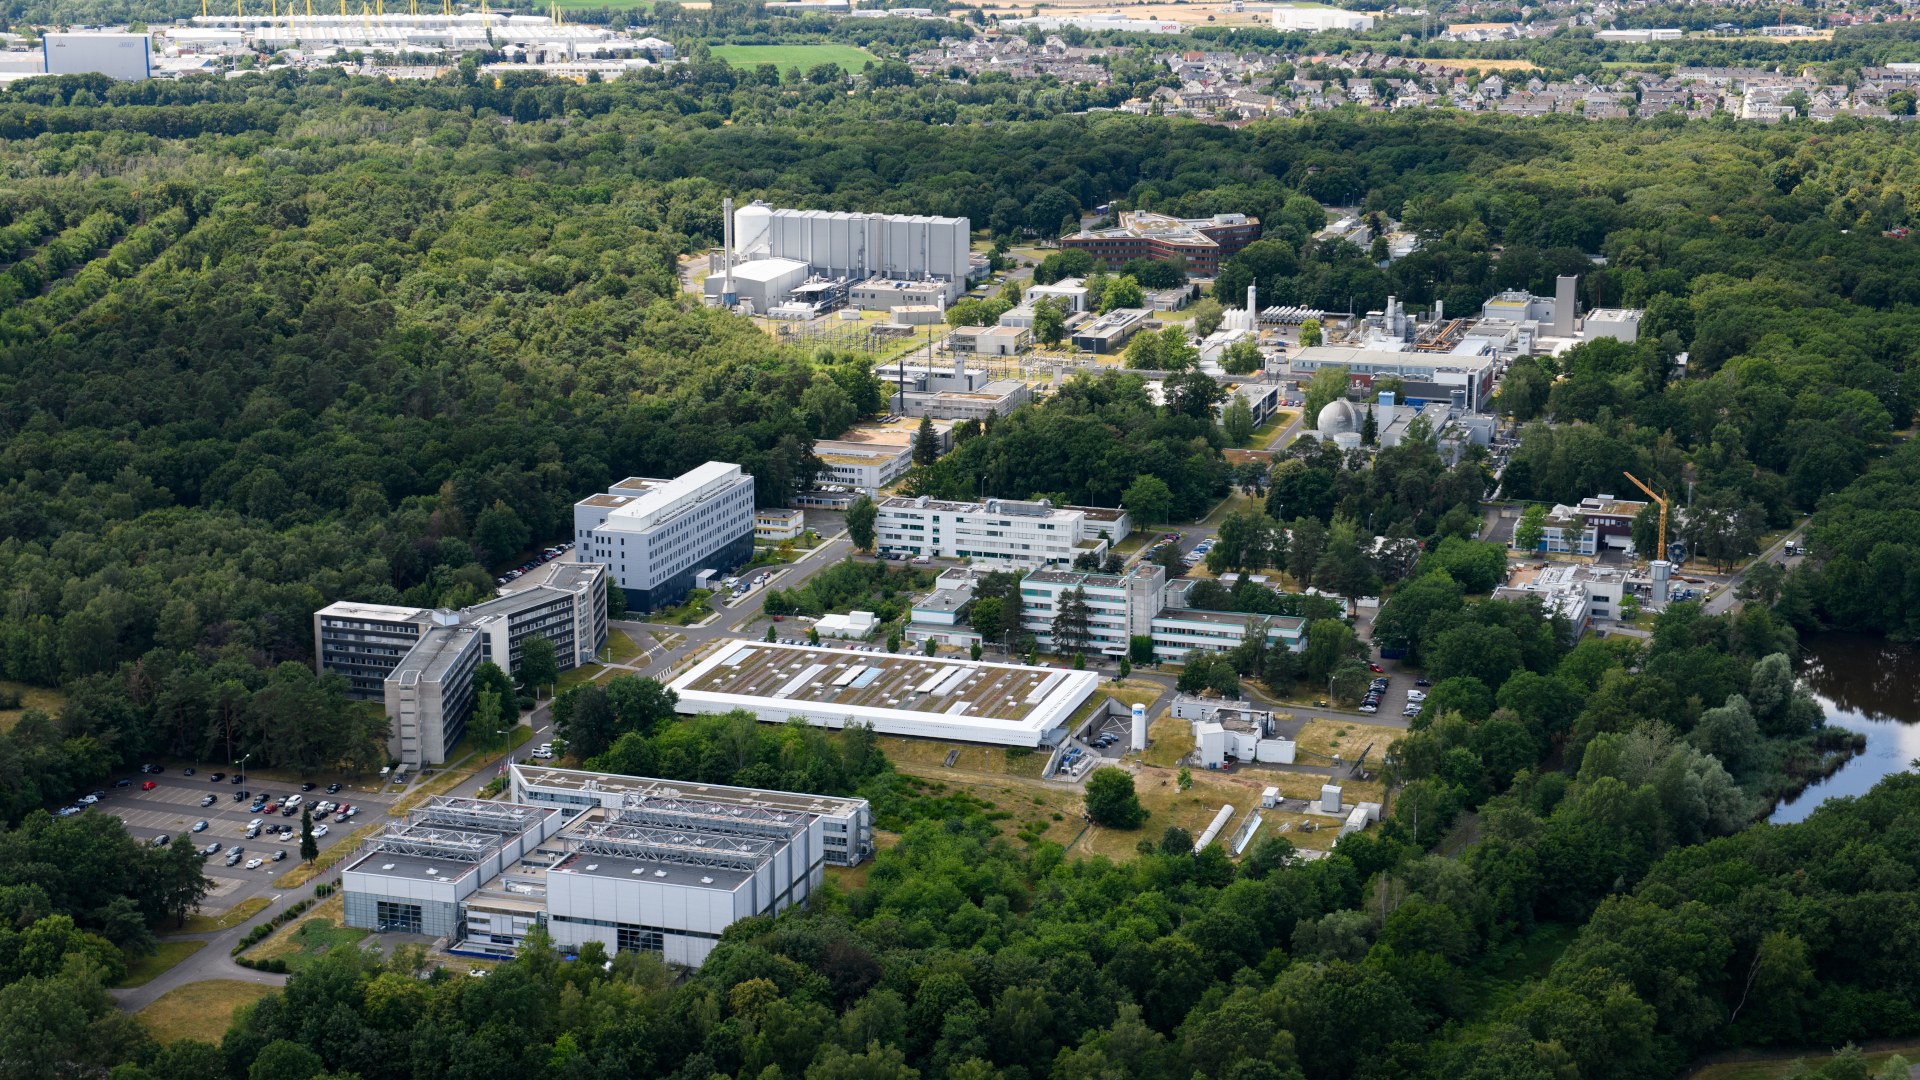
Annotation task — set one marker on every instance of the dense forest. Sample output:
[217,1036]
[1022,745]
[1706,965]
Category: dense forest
[276,340]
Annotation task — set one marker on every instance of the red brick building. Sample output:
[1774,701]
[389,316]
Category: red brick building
[1203,243]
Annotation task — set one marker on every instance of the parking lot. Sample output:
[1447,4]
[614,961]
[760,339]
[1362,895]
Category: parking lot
[174,805]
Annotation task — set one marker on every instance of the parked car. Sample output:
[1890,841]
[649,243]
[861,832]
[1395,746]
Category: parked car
[1369,708]
[162,840]
[153,769]
[255,864]
[332,788]
[278,855]
[1375,667]
[308,786]
[214,778]
[148,785]
[270,808]
[86,800]
[123,783]
[319,830]
[209,800]
[68,811]
[187,771]
[236,778]
[211,849]
[233,856]
[200,826]
[1423,681]
[242,796]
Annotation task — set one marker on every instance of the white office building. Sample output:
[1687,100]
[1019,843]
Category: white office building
[998,532]
[654,536]
[1142,603]
[420,663]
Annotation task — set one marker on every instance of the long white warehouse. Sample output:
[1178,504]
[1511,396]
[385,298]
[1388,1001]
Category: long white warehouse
[895,694]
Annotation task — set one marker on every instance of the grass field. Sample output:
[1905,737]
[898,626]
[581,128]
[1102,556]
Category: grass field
[147,968]
[32,697]
[306,939]
[201,1010]
[1778,1068]
[791,56]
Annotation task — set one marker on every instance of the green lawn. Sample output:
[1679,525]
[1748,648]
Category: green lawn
[790,56]
[143,970]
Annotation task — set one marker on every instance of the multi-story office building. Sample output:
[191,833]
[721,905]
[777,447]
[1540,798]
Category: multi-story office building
[430,694]
[364,643]
[568,607]
[420,663]
[868,457]
[1141,603]
[653,536]
[1120,606]
[1202,243]
[998,532]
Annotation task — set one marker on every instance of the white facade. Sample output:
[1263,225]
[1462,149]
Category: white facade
[652,534]
[837,244]
[997,532]
[127,57]
[776,525]
[1313,18]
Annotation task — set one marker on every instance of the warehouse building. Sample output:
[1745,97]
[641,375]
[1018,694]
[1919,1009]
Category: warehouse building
[997,532]
[632,863]
[1315,18]
[926,697]
[955,393]
[420,663]
[655,536]
[1203,244]
[126,57]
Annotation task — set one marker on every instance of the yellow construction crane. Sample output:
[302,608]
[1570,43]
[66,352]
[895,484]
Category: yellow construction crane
[1660,548]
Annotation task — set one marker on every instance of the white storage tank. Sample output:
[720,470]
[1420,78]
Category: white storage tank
[752,229]
[1139,727]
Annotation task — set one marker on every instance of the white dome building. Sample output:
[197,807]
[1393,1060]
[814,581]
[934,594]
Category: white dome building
[1338,417]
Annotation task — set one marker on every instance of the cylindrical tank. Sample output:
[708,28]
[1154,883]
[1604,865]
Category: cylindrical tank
[752,225]
[1662,571]
[1139,727]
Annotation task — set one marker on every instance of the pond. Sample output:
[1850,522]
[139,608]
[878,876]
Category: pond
[1866,684]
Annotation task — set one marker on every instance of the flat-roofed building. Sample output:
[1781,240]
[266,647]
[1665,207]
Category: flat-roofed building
[1203,244]
[774,525]
[1109,332]
[1425,376]
[567,607]
[998,532]
[364,643]
[653,536]
[638,865]
[414,876]
[895,694]
[846,821]
[429,696]
[1120,606]
[420,663]
[868,457]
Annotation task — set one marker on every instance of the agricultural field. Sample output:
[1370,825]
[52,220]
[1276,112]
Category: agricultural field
[791,56]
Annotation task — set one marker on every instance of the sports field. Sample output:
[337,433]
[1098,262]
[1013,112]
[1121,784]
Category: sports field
[792,56]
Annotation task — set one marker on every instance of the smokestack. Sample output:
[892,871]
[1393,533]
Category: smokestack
[728,297]
[1563,293]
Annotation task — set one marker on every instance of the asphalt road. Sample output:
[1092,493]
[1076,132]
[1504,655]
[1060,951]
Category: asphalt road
[1723,601]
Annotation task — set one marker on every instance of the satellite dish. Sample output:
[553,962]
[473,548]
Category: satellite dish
[1677,552]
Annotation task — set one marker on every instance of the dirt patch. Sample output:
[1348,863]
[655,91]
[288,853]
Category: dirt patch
[1322,738]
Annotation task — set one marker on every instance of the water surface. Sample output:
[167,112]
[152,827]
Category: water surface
[1869,685]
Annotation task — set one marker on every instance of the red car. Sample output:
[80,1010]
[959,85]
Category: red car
[1376,669]
[270,808]
[148,785]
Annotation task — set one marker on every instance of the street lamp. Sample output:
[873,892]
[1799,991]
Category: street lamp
[240,766]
